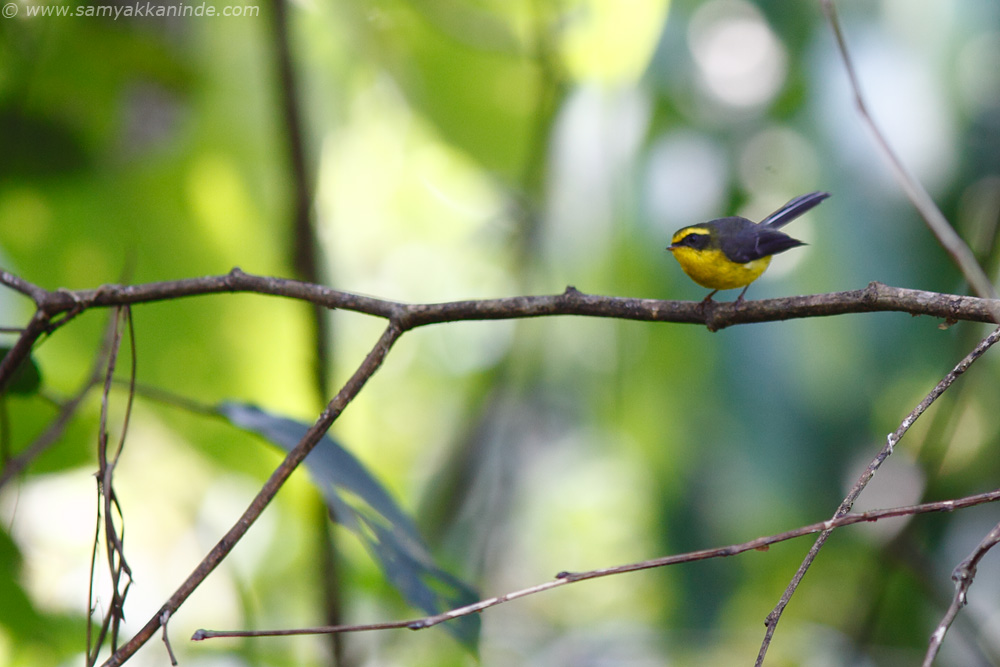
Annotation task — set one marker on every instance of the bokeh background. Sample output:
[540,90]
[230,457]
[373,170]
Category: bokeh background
[460,149]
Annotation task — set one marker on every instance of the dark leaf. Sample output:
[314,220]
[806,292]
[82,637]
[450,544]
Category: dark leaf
[362,505]
[27,378]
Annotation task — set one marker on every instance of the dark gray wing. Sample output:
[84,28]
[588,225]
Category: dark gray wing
[757,242]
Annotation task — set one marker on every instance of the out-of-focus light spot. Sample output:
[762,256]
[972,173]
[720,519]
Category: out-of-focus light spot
[929,25]
[900,482]
[585,495]
[86,263]
[452,182]
[686,176]
[469,347]
[740,61]
[612,40]
[597,136]
[778,161]
[54,530]
[26,218]
[977,75]
[974,431]
[226,498]
[392,196]
[979,213]
[909,104]
[220,203]
[151,116]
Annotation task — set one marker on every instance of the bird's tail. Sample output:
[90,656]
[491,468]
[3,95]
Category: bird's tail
[793,209]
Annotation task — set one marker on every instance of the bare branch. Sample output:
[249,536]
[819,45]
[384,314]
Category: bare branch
[403,317]
[34,292]
[714,315]
[166,639]
[962,576]
[772,619]
[108,505]
[368,367]
[565,578]
[918,195]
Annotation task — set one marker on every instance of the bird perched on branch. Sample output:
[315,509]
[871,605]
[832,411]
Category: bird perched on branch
[733,252]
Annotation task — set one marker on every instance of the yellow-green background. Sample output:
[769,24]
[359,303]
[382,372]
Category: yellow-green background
[471,149]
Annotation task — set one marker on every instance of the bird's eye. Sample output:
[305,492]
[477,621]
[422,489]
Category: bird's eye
[695,240]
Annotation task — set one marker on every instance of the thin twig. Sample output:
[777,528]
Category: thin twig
[402,317]
[166,639]
[94,645]
[368,367]
[960,253]
[34,292]
[114,545]
[13,467]
[51,434]
[565,578]
[891,440]
[962,576]
[918,195]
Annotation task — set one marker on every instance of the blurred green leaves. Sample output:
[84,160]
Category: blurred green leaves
[440,133]
[457,65]
[504,63]
[46,636]
[35,145]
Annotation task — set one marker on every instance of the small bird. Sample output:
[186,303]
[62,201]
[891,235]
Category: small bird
[732,252]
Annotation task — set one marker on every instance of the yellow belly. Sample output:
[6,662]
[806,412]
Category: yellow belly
[711,268]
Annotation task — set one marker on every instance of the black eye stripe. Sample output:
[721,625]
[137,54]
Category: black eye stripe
[695,240]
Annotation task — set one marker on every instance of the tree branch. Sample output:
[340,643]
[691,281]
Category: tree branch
[351,389]
[962,576]
[915,191]
[714,315]
[565,578]
[845,506]
[403,317]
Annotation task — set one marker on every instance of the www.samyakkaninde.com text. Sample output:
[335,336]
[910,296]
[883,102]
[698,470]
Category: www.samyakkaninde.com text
[138,9]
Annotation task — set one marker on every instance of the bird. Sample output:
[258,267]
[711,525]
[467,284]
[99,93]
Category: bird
[732,252]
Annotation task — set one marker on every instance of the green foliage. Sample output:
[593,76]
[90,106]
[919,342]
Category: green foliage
[462,149]
[43,637]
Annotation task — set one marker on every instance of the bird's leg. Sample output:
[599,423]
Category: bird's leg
[708,298]
[739,299]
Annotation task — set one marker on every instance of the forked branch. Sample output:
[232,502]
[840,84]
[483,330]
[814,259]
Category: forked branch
[845,506]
